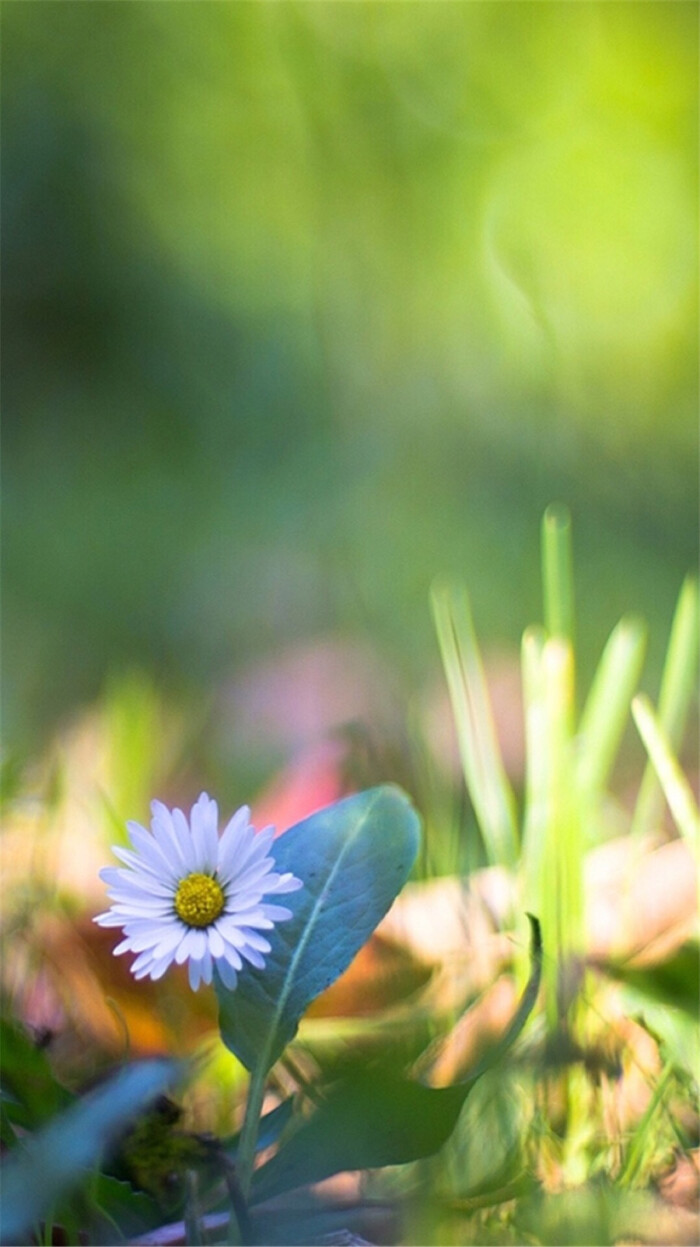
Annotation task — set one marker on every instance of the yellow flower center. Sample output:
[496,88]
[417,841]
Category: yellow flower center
[199,900]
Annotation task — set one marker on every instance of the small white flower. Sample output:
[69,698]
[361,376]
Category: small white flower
[189,895]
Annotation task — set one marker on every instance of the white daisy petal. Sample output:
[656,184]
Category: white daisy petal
[258,848]
[159,967]
[234,842]
[209,831]
[276,913]
[166,837]
[199,847]
[182,831]
[233,957]
[137,863]
[117,877]
[184,895]
[227,974]
[253,939]
[194,971]
[127,903]
[238,937]
[191,945]
[146,848]
[287,883]
[254,957]
[235,827]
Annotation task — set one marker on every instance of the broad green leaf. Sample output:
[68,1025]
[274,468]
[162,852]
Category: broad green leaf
[374,1118]
[66,1151]
[114,1211]
[353,859]
[485,1150]
[30,1091]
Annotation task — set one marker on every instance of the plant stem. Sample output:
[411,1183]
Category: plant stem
[245,1156]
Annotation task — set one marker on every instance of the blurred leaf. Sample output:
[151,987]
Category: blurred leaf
[353,859]
[271,1126]
[116,1208]
[69,1148]
[31,1093]
[599,1214]
[372,1119]
[674,982]
[484,1151]
[674,1028]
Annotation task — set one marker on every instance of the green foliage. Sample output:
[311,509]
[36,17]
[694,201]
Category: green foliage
[31,1094]
[373,1118]
[353,859]
[69,1148]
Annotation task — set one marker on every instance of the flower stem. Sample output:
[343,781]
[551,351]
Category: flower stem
[245,1156]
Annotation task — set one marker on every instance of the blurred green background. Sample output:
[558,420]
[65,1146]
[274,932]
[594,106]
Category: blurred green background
[305,304]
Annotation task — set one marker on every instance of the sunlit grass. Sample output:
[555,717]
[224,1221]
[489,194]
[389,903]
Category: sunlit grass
[594,1099]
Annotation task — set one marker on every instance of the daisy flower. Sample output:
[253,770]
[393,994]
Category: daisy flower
[188,894]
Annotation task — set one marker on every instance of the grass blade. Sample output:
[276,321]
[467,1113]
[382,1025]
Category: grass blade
[557,572]
[536,782]
[490,792]
[673,782]
[677,689]
[607,706]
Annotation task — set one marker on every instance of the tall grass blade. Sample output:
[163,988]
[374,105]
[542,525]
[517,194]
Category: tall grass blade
[490,792]
[536,766]
[562,859]
[607,706]
[644,1133]
[677,689]
[557,572]
[673,782]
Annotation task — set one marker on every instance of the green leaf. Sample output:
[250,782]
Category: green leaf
[31,1093]
[674,983]
[272,1124]
[113,1211]
[372,1119]
[67,1150]
[353,859]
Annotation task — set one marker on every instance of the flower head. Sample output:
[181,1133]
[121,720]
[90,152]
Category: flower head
[188,894]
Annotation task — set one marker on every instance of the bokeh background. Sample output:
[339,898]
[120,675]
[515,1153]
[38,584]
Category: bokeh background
[306,304]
